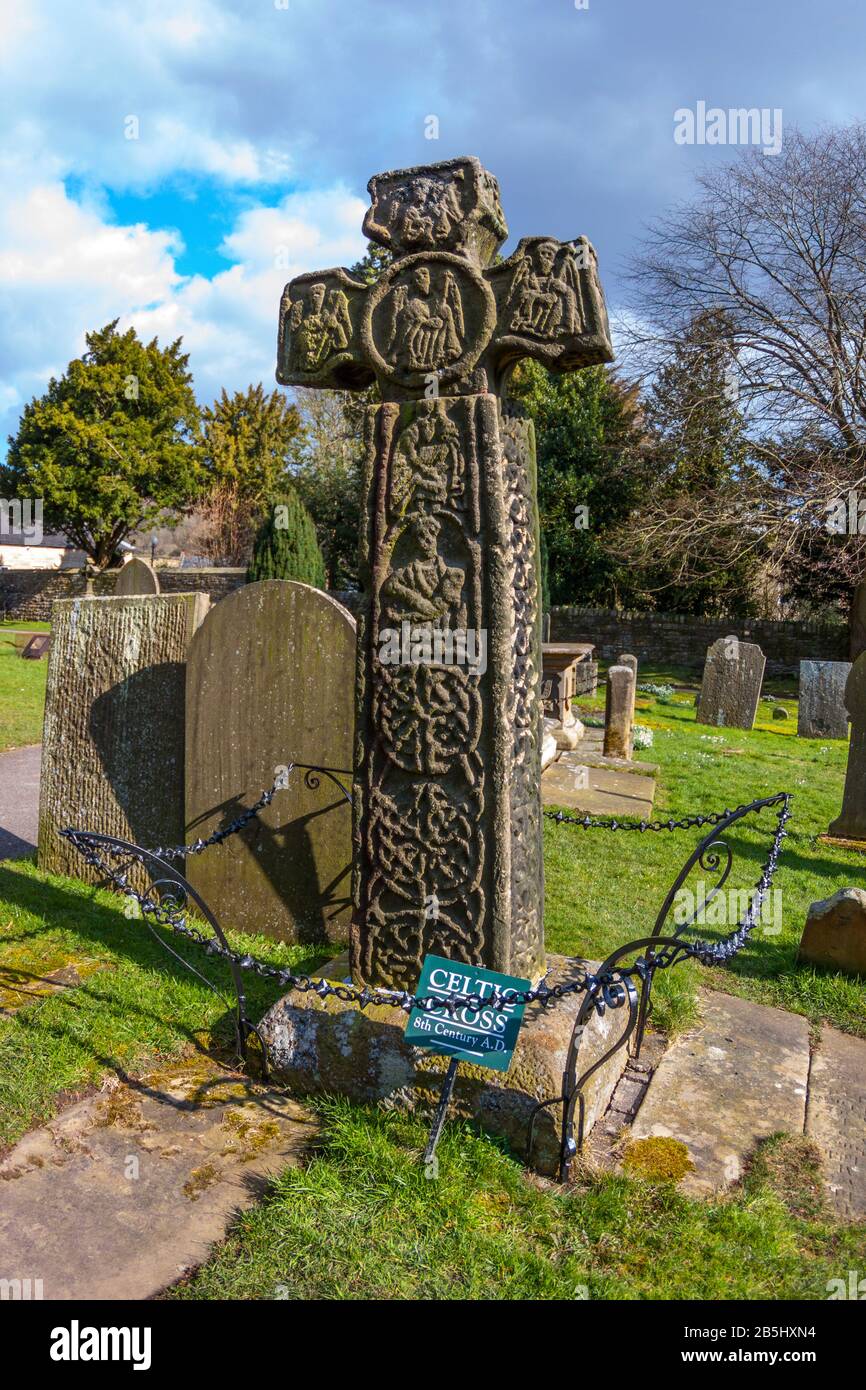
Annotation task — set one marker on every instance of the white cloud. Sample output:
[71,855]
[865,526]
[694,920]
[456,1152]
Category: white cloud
[229,322]
[64,269]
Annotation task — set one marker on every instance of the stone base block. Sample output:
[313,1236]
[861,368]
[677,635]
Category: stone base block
[549,750]
[835,932]
[326,1046]
[568,735]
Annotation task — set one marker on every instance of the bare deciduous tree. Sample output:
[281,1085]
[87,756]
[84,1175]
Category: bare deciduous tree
[778,245]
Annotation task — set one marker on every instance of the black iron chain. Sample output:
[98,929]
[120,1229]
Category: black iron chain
[181,851]
[603,987]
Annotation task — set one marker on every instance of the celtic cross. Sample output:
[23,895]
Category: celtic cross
[447,816]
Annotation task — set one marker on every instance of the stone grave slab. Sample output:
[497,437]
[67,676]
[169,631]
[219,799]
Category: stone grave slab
[836,1118]
[731,686]
[37,647]
[113,737]
[127,1191]
[821,711]
[721,1088]
[597,791]
[270,681]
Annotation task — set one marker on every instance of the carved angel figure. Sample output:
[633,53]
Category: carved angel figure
[430,212]
[319,326]
[544,297]
[427,327]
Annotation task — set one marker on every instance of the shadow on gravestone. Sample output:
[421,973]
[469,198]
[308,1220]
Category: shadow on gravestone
[112,742]
[270,681]
[150,799]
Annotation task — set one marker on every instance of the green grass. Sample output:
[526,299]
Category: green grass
[603,888]
[135,1006]
[361,1221]
[22,699]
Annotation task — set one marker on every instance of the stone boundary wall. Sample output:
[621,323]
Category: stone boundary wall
[662,638]
[27,595]
[678,639]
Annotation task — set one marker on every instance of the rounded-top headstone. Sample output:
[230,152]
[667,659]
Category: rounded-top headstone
[270,681]
[136,577]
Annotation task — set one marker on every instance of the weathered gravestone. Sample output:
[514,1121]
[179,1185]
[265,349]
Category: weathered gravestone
[821,709]
[113,738]
[447,753]
[447,827]
[835,932]
[850,824]
[731,687]
[626,659]
[618,712]
[857,623]
[136,577]
[270,680]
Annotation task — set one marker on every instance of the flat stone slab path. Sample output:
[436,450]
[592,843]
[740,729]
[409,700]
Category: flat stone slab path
[739,1078]
[598,791]
[836,1117]
[747,1073]
[19,801]
[126,1191]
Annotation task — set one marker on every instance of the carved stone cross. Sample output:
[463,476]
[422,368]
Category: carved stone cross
[447,815]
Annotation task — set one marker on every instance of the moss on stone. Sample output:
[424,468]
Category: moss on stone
[200,1179]
[659,1159]
[248,1135]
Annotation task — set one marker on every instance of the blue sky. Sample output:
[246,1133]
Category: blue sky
[260,121]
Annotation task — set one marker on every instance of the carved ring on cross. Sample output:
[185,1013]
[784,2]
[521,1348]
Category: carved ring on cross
[430,313]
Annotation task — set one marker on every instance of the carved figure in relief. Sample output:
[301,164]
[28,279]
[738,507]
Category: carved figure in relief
[320,326]
[432,209]
[428,465]
[427,325]
[427,590]
[544,299]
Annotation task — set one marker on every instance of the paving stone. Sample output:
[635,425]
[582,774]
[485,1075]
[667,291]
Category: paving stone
[18,988]
[836,1118]
[723,1087]
[604,792]
[628,1094]
[202,1142]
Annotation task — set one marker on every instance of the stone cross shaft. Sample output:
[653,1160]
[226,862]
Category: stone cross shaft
[447,815]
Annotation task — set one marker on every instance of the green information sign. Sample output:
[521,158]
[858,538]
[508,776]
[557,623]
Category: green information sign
[486,1036]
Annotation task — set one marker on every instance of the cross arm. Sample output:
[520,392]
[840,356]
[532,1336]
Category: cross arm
[550,306]
[319,341]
